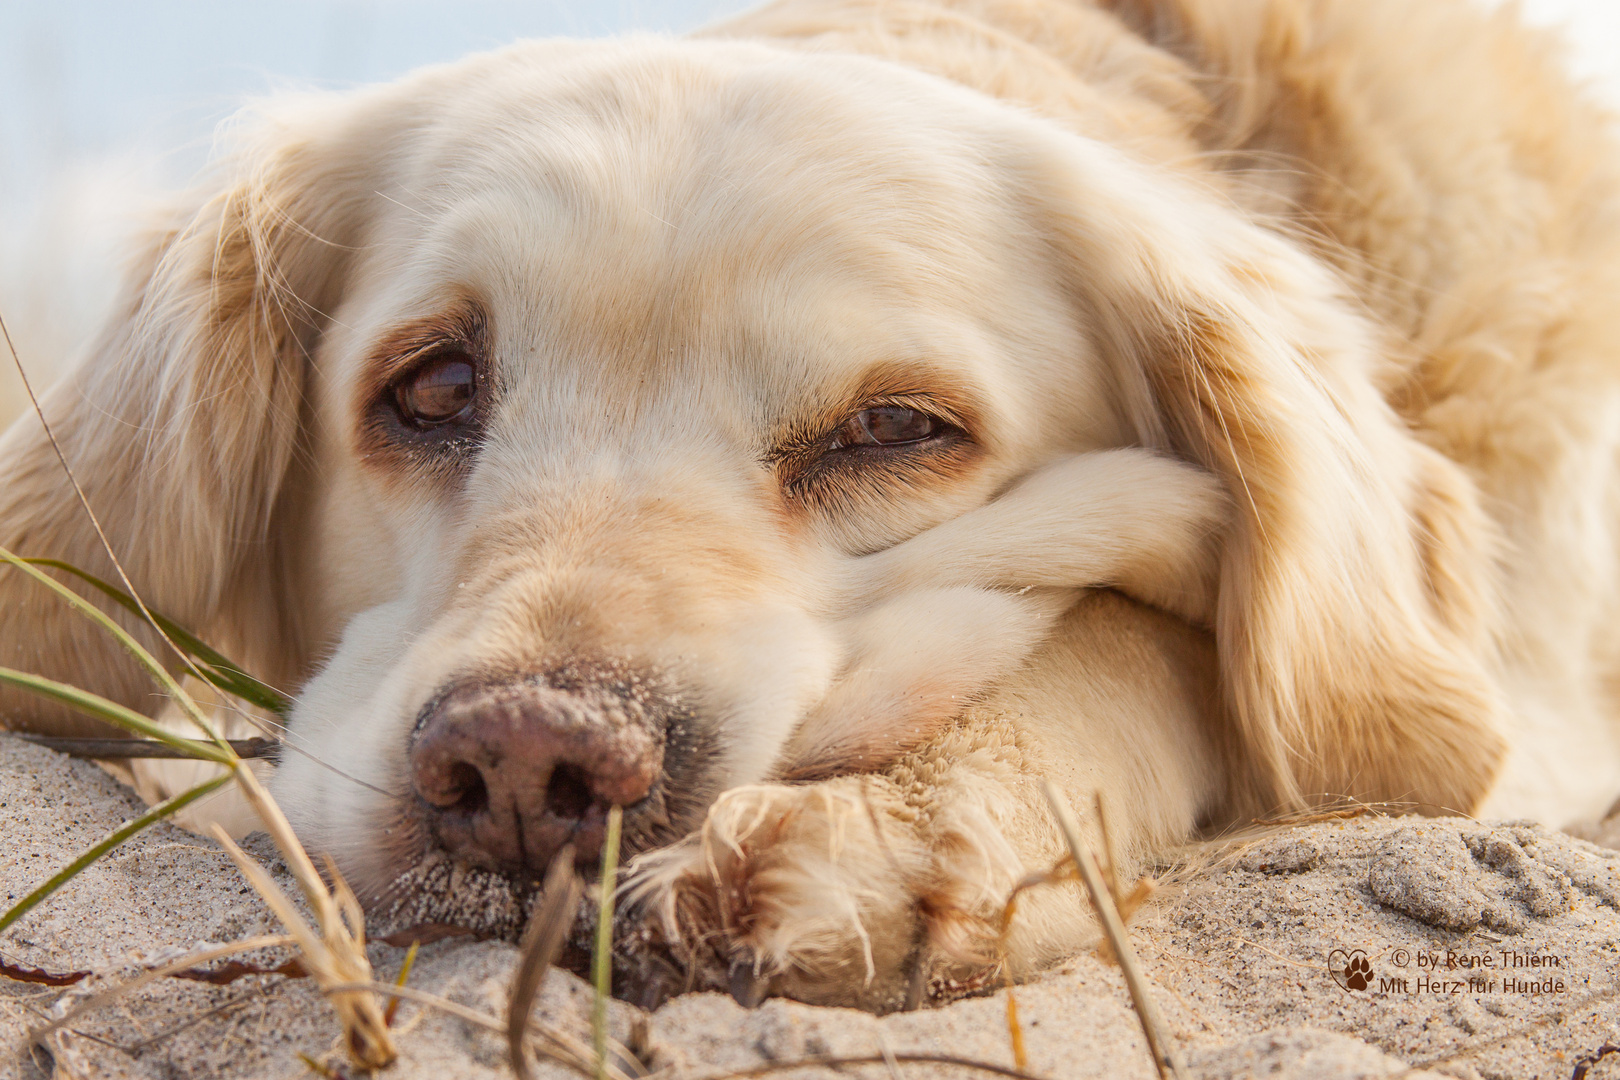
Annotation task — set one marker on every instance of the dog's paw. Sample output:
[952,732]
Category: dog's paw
[840,892]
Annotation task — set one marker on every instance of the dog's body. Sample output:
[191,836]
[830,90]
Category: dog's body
[811,434]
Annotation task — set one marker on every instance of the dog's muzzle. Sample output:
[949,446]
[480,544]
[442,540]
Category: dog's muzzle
[510,771]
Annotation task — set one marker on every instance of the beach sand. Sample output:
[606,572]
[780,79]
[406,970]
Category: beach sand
[1494,951]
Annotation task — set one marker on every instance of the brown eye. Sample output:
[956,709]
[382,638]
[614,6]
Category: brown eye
[887,425]
[438,391]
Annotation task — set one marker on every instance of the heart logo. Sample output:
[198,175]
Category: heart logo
[1350,969]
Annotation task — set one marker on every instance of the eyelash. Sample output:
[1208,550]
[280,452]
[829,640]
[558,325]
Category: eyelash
[401,431]
[813,468]
[869,426]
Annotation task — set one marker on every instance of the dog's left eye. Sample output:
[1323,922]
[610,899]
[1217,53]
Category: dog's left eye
[886,425]
[438,391]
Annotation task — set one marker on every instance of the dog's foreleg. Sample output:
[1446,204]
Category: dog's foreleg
[962,605]
[913,664]
[1131,519]
[857,888]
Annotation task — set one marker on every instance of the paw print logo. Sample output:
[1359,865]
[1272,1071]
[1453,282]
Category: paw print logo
[1350,969]
[1358,972]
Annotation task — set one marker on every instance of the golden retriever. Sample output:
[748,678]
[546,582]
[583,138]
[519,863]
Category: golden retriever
[809,434]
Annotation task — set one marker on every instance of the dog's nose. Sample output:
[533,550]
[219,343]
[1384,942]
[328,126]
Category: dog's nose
[512,771]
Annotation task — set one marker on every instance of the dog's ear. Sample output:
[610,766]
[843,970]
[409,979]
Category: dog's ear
[1354,620]
[182,420]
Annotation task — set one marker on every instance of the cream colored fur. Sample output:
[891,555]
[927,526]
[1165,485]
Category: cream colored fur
[1282,331]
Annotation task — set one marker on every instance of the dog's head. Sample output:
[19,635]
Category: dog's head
[613,424]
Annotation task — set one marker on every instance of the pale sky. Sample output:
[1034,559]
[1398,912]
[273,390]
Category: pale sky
[106,101]
[86,79]
[81,77]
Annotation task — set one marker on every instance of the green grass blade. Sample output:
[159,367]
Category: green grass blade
[219,670]
[114,713]
[602,956]
[116,837]
[135,648]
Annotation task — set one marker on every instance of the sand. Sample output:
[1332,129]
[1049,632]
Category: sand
[1238,956]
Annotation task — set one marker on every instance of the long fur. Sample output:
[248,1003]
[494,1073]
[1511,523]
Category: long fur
[1282,331]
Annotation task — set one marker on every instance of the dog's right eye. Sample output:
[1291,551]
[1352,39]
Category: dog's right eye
[887,425]
[437,392]
[435,388]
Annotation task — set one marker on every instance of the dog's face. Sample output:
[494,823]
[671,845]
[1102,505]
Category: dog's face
[614,424]
[644,351]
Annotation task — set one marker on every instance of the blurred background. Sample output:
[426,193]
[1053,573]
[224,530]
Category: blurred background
[106,103]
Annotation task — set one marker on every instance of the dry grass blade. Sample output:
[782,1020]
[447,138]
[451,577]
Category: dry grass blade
[1111,855]
[190,960]
[564,1048]
[335,956]
[316,1067]
[1125,902]
[1342,809]
[404,974]
[1015,1031]
[900,1057]
[340,954]
[1102,901]
[542,941]
[246,749]
[187,705]
[1063,871]
[175,1029]
[889,1063]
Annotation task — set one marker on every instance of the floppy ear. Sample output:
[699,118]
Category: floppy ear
[1354,621]
[180,424]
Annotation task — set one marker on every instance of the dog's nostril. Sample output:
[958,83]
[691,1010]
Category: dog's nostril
[466,782]
[508,772]
[568,795]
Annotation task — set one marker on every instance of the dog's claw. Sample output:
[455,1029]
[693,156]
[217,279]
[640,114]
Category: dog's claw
[654,990]
[916,984]
[748,986]
[645,974]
